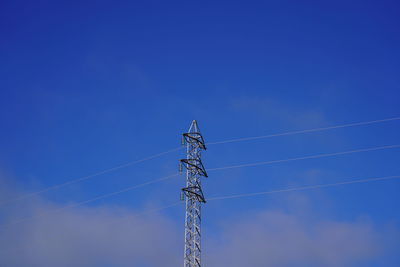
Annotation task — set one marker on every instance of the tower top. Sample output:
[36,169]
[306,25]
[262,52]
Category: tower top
[194,127]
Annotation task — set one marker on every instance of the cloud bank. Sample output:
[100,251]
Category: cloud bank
[115,236]
[276,238]
[91,236]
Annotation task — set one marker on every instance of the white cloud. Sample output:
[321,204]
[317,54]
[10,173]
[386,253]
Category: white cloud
[91,236]
[275,238]
[112,236]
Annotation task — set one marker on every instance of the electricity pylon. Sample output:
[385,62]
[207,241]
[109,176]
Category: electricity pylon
[193,194]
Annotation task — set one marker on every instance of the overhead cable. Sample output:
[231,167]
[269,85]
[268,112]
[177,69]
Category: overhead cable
[303,131]
[305,187]
[81,179]
[98,198]
[303,158]
[214,169]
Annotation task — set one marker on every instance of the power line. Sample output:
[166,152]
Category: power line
[306,157]
[217,197]
[163,207]
[81,179]
[221,168]
[98,197]
[88,176]
[237,195]
[304,131]
[139,213]
[306,187]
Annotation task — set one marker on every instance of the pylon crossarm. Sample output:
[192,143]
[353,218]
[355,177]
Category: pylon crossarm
[196,138]
[194,190]
[195,164]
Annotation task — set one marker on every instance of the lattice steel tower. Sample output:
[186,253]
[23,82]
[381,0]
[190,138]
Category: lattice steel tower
[193,194]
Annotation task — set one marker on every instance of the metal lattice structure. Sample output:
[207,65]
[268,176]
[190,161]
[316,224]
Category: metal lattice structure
[193,194]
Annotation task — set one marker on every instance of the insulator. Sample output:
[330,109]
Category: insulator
[180,167]
[183,140]
[182,197]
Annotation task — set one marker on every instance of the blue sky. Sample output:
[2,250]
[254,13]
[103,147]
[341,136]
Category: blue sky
[86,86]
